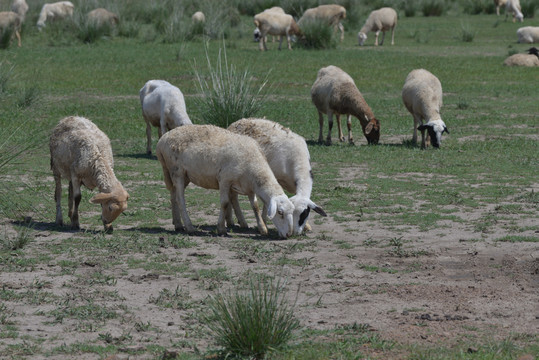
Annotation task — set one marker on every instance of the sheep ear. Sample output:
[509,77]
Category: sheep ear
[445,129]
[317,209]
[422,127]
[272,208]
[368,128]
[101,198]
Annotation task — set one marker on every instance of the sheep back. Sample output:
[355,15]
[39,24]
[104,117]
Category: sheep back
[101,16]
[528,34]
[422,94]
[529,60]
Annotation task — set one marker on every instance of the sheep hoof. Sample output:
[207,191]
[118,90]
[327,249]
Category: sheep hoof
[75,227]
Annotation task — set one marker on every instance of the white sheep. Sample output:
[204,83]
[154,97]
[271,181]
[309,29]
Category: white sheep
[198,17]
[289,159]
[499,4]
[100,17]
[11,21]
[513,7]
[331,14]
[422,96]
[82,153]
[275,23]
[528,34]
[215,158]
[383,19]
[20,7]
[163,106]
[334,92]
[256,32]
[55,11]
[530,59]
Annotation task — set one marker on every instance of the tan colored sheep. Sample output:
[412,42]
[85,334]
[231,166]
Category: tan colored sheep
[82,153]
[531,59]
[334,92]
[11,21]
[102,17]
[331,14]
[528,34]
[20,7]
[275,23]
[55,11]
[383,19]
[198,17]
[513,7]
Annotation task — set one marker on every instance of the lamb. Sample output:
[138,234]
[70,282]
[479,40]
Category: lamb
[274,23]
[513,7]
[383,19]
[82,153]
[334,92]
[256,32]
[530,59]
[20,7]
[289,159]
[422,96]
[215,158]
[499,4]
[528,34]
[11,21]
[55,11]
[331,14]
[198,17]
[163,106]
[102,17]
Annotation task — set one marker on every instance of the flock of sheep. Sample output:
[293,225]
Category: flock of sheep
[213,158]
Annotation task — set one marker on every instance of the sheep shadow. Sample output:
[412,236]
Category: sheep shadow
[210,231]
[52,226]
[408,144]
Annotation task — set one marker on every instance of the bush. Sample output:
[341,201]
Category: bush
[317,35]
[5,38]
[432,8]
[529,7]
[252,322]
[475,7]
[467,33]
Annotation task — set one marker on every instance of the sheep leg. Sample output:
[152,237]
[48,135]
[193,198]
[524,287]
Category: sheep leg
[225,208]
[288,40]
[376,38]
[75,195]
[349,125]
[149,137]
[321,123]
[18,37]
[262,229]
[176,216]
[417,121]
[237,210]
[58,199]
[393,35]
[339,127]
[330,127]
[383,37]
[341,27]
[262,44]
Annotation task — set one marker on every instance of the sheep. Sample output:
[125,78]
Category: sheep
[528,34]
[422,96]
[163,106]
[256,32]
[55,11]
[530,59]
[334,92]
[20,7]
[383,20]
[215,158]
[274,23]
[513,7]
[102,17]
[11,21]
[289,159]
[82,153]
[331,14]
[499,4]
[198,17]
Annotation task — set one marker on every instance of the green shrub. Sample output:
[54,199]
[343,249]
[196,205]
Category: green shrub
[6,73]
[5,38]
[467,33]
[432,7]
[252,322]
[529,7]
[317,35]
[410,9]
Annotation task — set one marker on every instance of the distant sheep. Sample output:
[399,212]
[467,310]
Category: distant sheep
[163,106]
[20,7]
[274,23]
[256,32]
[102,17]
[55,11]
[528,34]
[499,4]
[289,159]
[81,153]
[331,14]
[334,92]
[198,17]
[513,7]
[422,96]
[11,21]
[530,59]
[215,158]
[383,19]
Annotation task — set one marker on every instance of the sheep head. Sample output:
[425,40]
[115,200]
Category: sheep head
[112,205]
[435,129]
[302,209]
[372,131]
[280,211]
[361,38]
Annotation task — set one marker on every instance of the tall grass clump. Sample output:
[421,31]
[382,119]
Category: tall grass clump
[8,242]
[228,94]
[432,7]
[317,35]
[529,7]
[254,321]
[467,33]
[5,38]
[6,72]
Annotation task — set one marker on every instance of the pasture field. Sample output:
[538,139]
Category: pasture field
[425,254]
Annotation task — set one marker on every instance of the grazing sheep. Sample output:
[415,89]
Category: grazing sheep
[331,14]
[100,17]
[215,158]
[513,7]
[334,92]
[383,19]
[422,96]
[256,32]
[198,17]
[81,153]
[275,23]
[530,59]
[499,4]
[163,106]
[528,34]
[20,7]
[289,159]
[11,21]
[55,11]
